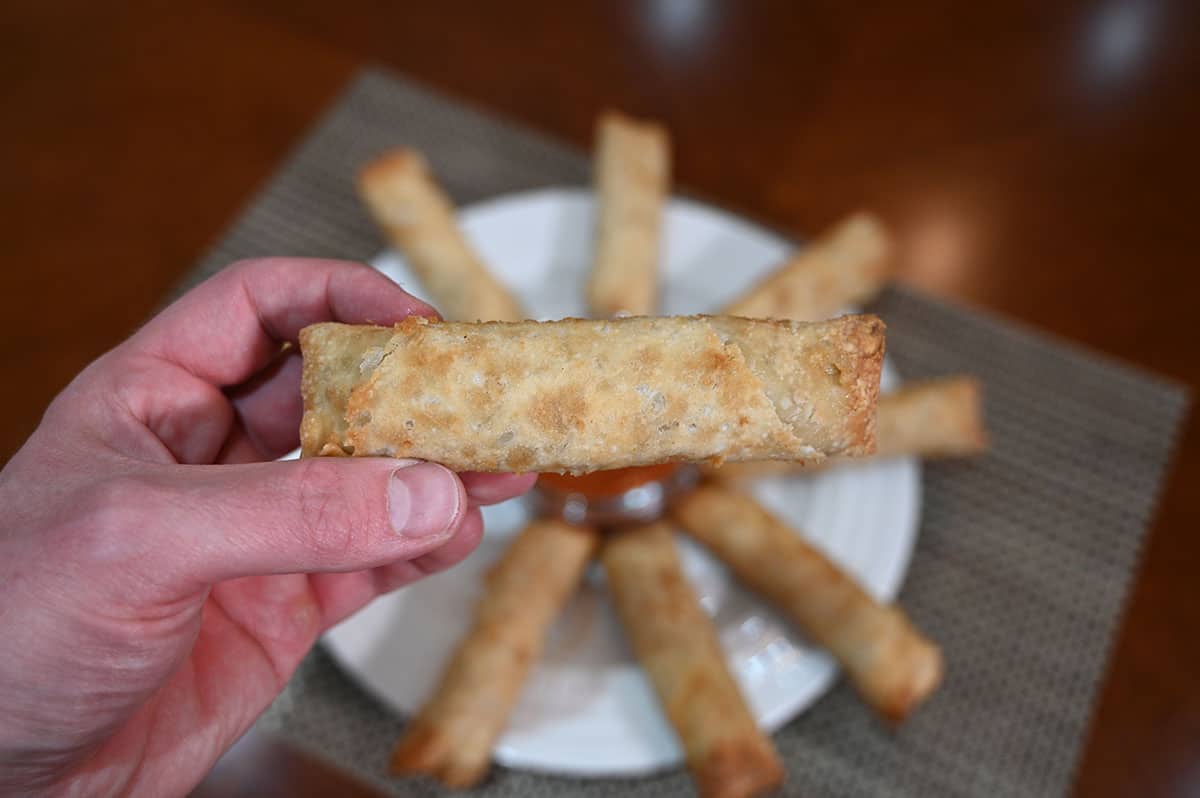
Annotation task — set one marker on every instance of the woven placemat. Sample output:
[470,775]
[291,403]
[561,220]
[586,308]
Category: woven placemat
[1024,555]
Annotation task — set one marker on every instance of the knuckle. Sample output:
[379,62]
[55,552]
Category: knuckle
[267,268]
[107,521]
[246,264]
[113,502]
[327,527]
[95,397]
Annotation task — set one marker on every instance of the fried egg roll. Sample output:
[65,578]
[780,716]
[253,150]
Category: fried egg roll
[418,219]
[579,396]
[893,666]
[632,163]
[848,265]
[452,736]
[677,647]
[931,419]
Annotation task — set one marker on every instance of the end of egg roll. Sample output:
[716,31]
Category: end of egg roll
[847,265]
[400,192]
[632,166]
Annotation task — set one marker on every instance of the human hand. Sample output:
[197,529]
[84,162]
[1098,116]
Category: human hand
[159,583]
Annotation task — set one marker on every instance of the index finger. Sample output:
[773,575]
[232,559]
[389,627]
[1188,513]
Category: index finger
[228,328]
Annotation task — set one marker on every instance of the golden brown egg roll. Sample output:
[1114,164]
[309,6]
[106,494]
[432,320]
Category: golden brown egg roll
[632,163]
[418,218]
[452,736]
[893,666]
[929,418]
[578,396]
[848,265]
[677,646]
[932,418]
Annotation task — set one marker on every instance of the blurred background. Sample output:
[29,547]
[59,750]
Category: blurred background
[1036,160]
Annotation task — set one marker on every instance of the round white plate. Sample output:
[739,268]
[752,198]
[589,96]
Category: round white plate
[586,708]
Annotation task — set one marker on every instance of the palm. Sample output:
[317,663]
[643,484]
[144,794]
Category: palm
[240,645]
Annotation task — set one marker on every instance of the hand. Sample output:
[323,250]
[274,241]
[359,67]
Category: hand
[159,583]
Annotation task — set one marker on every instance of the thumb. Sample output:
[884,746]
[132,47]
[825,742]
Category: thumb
[319,514]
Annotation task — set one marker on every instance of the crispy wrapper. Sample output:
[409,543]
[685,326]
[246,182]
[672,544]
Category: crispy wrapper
[847,266]
[932,419]
[677,646]
[452,736]
[418,218]
[632,163]
[893,666]
[578,396]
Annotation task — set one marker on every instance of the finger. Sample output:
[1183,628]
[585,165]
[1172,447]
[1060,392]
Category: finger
[398,574]
[213,523]
[269,406]
[341,595]
[239,448]
[486,489]
[232,325]
[279,609]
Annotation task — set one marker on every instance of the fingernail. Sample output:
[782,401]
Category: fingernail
[423,499]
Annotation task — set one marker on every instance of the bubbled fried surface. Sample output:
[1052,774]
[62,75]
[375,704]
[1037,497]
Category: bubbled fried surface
[578,396]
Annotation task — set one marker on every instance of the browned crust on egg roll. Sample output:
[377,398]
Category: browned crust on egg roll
[932,419]
[891,664]
[419,220]
[848,265]
[678,649]
[632,165]
[452,736]
[578,396]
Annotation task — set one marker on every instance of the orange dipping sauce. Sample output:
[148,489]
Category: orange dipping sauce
[603,484]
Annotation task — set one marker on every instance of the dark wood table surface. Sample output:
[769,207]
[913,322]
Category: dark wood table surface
[1035,159]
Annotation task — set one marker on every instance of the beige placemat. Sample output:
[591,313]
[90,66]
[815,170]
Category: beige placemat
[1024,556]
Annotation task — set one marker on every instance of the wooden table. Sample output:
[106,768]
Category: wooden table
[1039,162]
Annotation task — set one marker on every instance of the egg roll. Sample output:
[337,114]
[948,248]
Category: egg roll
[932,419]
[891,664]
[578,396]
[452,736]
[632,163]
[418,219]
[677,647]
[846,266]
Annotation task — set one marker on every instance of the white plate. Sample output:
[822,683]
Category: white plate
[587,709]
